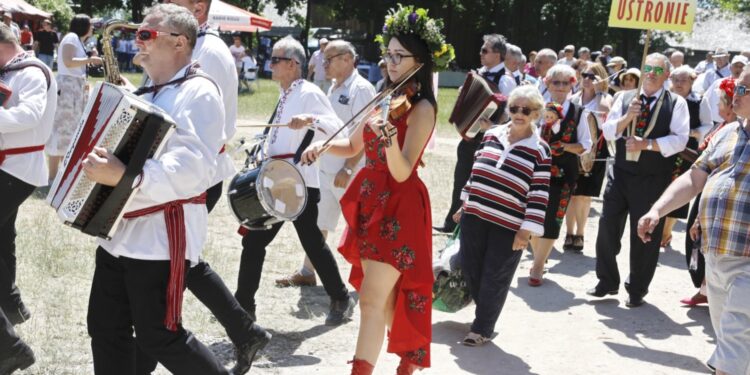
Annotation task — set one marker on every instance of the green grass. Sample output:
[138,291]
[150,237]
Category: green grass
[259,105]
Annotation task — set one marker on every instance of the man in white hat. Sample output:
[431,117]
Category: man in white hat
[721,68]
[316,71]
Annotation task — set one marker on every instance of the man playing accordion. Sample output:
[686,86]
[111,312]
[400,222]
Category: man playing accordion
[165,224]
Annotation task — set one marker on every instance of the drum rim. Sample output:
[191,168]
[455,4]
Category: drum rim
[261,195]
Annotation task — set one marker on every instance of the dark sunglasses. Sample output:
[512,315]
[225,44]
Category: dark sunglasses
[485,51]
[740,90]
[590,76]
[516,108]
[148,34]
[277,59]
[657,70]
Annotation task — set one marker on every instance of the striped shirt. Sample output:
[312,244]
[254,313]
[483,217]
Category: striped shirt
[725,202]
[509,183]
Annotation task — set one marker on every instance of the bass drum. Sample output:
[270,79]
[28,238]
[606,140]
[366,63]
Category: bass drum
[266,195]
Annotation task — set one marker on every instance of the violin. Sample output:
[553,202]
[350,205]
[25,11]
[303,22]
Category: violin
[393,108]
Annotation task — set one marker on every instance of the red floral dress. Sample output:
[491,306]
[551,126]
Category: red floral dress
[391,222]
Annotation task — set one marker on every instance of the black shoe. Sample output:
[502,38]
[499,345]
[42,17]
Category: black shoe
[341,311]
[601,292]
[444,229]
[634,301]
[246,352]
[19,359]
[18,314]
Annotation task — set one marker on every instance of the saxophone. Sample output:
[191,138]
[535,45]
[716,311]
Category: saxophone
[111,71]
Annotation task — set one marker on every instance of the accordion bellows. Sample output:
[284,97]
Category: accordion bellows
[129,127]
[477,99]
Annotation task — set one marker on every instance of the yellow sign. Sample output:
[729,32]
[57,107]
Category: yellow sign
[671,15]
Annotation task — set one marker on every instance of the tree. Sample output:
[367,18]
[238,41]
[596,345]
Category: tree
[61,11]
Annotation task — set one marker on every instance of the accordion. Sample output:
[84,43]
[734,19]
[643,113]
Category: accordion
[477,99]
[129,127]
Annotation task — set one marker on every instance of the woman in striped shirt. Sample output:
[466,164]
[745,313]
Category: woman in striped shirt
[504,204]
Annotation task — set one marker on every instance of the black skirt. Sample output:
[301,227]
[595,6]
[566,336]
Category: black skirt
[590,184]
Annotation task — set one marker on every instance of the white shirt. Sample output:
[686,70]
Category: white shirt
[566,61]
[704,66]
[348,99]
[542,87]
[712,75]
[216,61]
[27,121]
[71,39]
[679,126]
[237,53]
[711,97]
[184,169]
[506,83]
[319,72]
[249,68]
[582,130]
[302,98]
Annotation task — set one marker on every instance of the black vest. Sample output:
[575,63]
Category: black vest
[694,107]
[568,162]
[650,162]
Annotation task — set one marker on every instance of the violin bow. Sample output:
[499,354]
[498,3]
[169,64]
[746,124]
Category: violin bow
[387,92]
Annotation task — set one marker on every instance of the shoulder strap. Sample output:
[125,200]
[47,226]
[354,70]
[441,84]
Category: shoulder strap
[718,73]
[192,72]
[29,64]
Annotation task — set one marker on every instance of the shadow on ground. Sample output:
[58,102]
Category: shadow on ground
[483,360]
[659,357]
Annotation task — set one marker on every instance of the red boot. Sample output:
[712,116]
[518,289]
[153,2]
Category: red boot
[406,367]
[361,367]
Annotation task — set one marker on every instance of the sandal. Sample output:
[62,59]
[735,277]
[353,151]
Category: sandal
[568,244]
[578,243]
[666,242]
[475,339]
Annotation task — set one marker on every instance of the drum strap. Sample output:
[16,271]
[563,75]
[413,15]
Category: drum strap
[174,216]
[302,146]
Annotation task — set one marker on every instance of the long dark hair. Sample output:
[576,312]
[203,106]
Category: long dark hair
[80,24]
[418,48]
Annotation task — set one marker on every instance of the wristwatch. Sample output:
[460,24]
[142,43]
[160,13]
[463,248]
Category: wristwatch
[650,145]
[348,171]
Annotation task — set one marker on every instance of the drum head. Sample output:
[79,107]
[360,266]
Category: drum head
[282,189]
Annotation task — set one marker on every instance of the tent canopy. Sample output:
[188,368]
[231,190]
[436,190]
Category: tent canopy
[231,18]
[23,8]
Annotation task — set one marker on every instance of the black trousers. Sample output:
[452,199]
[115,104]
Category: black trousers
[254,253]
[13,192]
[127,296]
[464,161]
[209,288]
[628,195]
[697,275]
[9,340]
[488,263]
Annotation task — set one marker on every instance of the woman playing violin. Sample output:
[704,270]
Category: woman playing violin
[388,239]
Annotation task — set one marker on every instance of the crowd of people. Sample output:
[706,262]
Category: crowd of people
[658,135]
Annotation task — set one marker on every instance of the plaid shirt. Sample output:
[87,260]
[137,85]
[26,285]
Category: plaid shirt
[725,203]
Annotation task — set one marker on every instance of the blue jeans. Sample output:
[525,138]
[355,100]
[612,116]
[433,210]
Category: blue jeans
[46,59]
[488,263]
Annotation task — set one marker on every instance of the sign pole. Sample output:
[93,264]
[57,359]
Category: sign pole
[633,156]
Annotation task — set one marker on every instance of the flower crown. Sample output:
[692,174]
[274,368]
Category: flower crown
[408,20]
[727,85]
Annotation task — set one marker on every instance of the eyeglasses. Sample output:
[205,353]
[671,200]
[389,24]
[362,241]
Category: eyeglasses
[394,58]
[485,51]
[590,76]
[657,70]
[277,59]
[525,110]
[148,34]
[740,90]
[560,83]
[327,61]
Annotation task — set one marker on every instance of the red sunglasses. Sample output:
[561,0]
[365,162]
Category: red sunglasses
[148,34]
